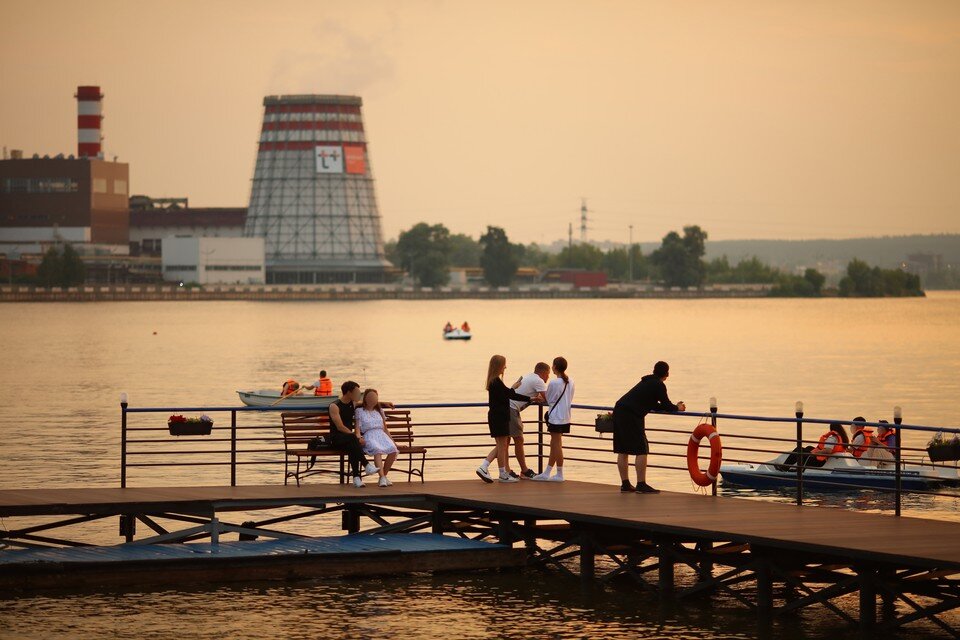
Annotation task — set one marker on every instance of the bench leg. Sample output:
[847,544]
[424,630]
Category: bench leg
[423,463]
[298,471]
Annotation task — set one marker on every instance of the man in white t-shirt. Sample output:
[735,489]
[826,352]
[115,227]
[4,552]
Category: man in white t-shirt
[533,385]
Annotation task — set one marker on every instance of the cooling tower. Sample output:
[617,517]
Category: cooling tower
[312,198]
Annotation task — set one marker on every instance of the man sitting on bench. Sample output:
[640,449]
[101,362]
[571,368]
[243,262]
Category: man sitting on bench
[345,435]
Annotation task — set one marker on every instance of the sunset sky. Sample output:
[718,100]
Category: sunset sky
[753,119]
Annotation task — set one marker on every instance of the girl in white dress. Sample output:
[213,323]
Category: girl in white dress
[374,436]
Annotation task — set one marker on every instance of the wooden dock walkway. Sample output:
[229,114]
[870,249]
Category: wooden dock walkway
[794,556]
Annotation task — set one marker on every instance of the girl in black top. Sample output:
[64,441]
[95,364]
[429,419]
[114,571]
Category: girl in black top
[499,396]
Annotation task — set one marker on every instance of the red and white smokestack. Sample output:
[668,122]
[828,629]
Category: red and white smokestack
[89,115]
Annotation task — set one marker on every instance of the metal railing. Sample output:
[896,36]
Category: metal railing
[452,431]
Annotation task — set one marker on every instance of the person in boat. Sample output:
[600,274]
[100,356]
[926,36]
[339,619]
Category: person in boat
[532,387]
[344,433]
[290,387]
[323,386]
[861,439]
[559,398]
[372,424]
[465,326]
[831,443]
[448,328]
[499,396]
[880,454]
[629,435]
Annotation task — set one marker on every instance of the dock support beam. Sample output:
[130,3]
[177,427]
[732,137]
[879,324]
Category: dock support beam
[868,601]
[665,570]
[588,560]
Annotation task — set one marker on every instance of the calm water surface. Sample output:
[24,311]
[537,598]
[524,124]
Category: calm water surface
[66,364]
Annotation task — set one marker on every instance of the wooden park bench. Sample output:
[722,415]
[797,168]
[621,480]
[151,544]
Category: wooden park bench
[300,428]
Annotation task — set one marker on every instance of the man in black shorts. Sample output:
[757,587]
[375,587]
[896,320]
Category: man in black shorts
[629,436]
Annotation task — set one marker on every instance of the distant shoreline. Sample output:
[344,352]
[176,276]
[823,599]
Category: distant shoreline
[126,293]
[144,293]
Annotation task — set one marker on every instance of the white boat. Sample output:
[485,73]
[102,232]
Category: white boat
[268,397]
[457,334]
[841,472]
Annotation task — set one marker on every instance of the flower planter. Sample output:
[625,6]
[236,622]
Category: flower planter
[944,452]
[201,428]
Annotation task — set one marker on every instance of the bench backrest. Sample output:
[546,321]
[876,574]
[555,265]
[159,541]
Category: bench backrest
[300,427]
[399,425]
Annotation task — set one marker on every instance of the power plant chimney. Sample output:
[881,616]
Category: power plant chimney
[89,115]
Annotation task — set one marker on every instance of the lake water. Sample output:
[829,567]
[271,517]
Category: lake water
[66,364]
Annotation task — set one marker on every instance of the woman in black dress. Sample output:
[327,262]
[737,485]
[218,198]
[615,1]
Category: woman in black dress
[499,396]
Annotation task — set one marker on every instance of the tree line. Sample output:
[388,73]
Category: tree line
[428,252]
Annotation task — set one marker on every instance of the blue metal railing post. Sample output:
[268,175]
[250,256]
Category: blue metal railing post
[539,438]
[123,445]
[897,420]
[801,460]
[713,421]
[233,448]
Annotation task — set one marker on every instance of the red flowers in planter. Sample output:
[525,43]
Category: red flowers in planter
[176,418]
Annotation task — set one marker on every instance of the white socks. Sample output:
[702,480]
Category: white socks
[485,464]
[547,470]
[559,473]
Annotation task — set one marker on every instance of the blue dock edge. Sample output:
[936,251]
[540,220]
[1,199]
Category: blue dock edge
[357,544]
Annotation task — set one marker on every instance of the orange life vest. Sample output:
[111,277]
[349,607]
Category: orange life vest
[465,326]
[290,386]
[863,447]
[325,388]
[837,448]
[889,438]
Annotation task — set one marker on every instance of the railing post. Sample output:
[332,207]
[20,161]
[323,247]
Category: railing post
[801,460]
[123,440]
[713,421]
[233,448]
[897,419]
[539,438]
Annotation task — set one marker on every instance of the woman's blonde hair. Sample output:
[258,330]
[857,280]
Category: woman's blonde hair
[494,370]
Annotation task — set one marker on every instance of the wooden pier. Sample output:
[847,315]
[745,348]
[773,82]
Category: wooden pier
[775,558]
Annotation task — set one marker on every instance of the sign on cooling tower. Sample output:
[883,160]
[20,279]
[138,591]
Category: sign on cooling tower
[329,159]
[336,158]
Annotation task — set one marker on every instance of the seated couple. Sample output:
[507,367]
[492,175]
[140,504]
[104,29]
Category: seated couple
[358,426]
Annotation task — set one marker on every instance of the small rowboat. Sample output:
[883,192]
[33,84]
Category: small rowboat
[457,334]
[267,397]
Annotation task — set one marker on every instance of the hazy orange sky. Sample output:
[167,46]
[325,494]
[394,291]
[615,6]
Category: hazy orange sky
[754,119]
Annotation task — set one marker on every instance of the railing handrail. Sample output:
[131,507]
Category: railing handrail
[589,407]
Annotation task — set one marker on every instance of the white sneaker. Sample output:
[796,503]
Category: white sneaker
[509,478]
[389,481]
[484,474]
[555,479]
[384,482]
[540,478]
[358,482]
[369,470]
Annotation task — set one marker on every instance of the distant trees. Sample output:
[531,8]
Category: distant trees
[499,259]
[61,269]
[424,252]
[679,260]
[809,285]
[863,281]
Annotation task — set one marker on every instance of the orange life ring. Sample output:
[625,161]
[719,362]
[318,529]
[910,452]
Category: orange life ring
[704,430]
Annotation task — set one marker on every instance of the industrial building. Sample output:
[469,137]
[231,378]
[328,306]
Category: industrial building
[79,199]
[312,199]
[213,260]
[153,219]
